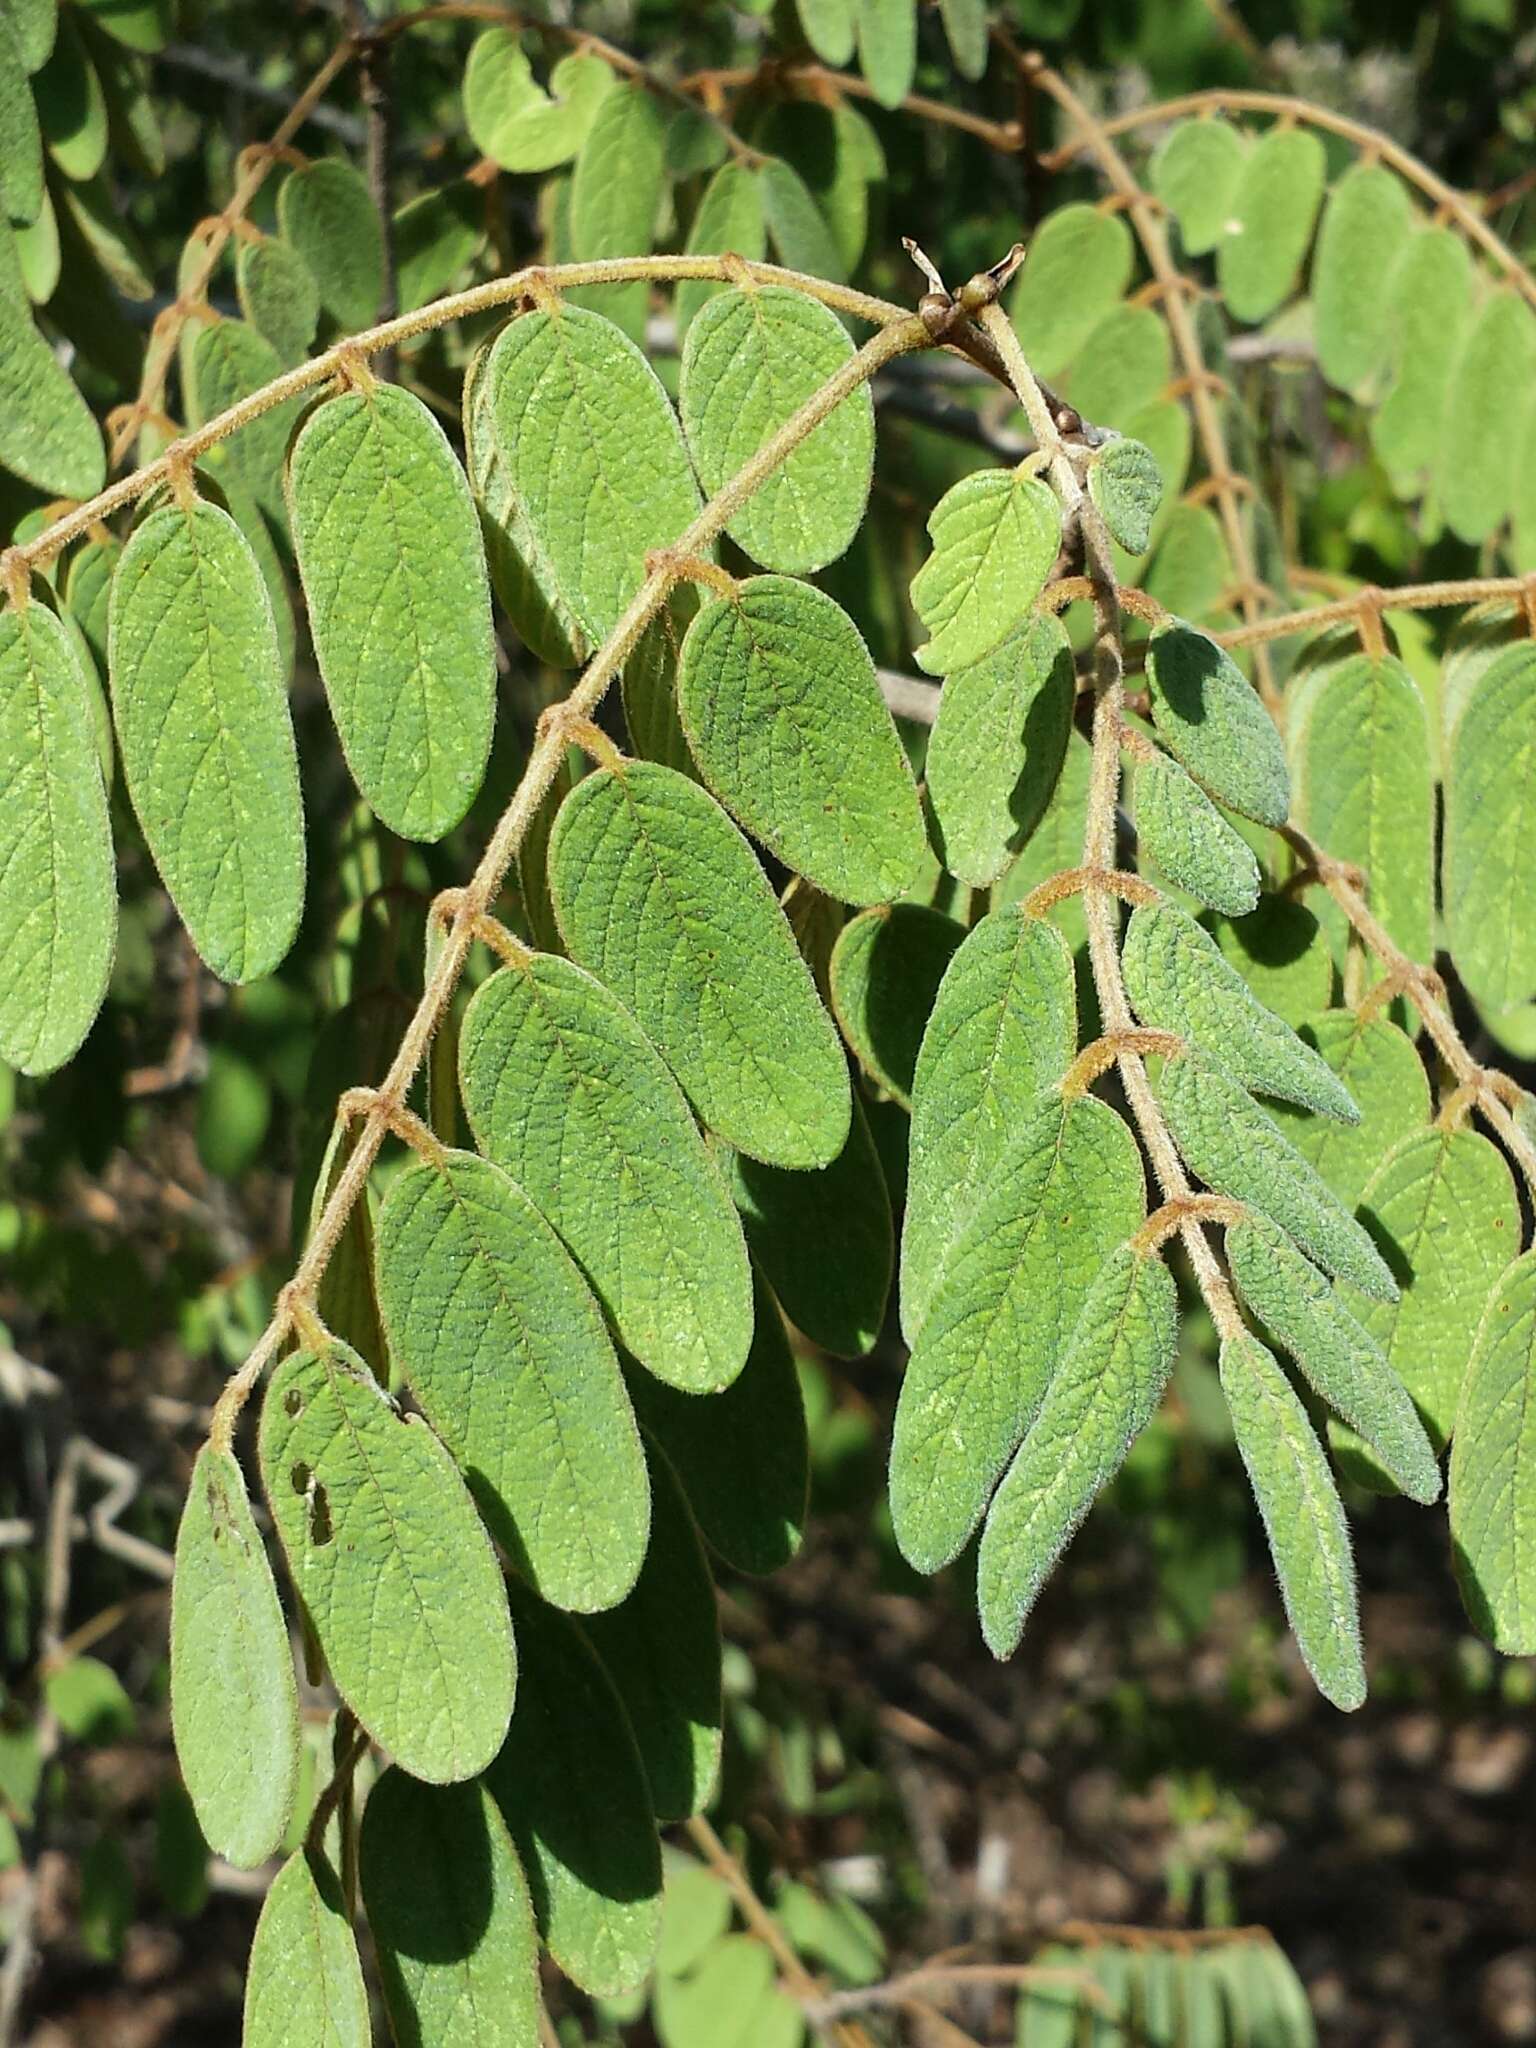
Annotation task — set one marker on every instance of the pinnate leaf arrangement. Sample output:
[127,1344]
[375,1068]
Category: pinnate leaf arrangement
[1130,954]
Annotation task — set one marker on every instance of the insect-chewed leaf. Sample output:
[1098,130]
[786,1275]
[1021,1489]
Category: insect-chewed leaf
[1064,1192]
[1493,1467]
[1341,1360]
[594,453]
[997,748]
[1489,866]
[448,1909]
[1100,1397]
[995,536]
[396,1575]
[1177,981]
[887,32]
[1077,268]
[304,1982]
[730,216]
[505,1349]
[1273,206]
[1477,450]
[226,362]
[1002,1030]
[785,719]
[1442,1207]
[824,1240]
[1195,172]
[399,603]
[1239,1151]
[661,1648]
[616,193]
[1365,788]
[1366,232]
[206,740]
[733,1995]
[1386,1078]
[1127,486]
[1280,952]
[326,212]
[1209,715]
[1184,835]
[47,434]
[58,890]
[659,896]
[571,1783]
[751,360]
[1430,305]
[886,969]
[742,1456]
[278,295]
[234,1705]
[564,1090]
[512,119]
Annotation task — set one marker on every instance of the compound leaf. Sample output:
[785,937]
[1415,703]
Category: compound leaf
[326,212]
[304,1982]
[394,1571]
[1386,1079]
[659,896]
[1489,865]
[885,973]
[564,1090]
[234,1704]
[1493,1458]
[784,716]
[502,1344]
[1126,484]
[399,602]
[1079,264]
[1110,1379]
[1208,714]
[1368,224]
[995,536]
[205,737]
[1183,834]
[1274,204]
[1194,172]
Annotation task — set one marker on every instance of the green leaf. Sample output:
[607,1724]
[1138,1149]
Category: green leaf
[995,537]
[564,1091]
[1265,2005]
[1191,571]
[997,748]
[1048,2009]
[1274,204]
[1430,305]
[1078,266]
[1489,863]
[21,161]
[1477,449]
[304,1984]
[1239,1151]
[823,1240]
[437,235]
[828,26]
[1280,952]
[399,603]
[1368,225]
[733,1998]
[648,686]
[695,1911]
[1178,981]
[752,358]
[1342,1363]
[326,212]
[593,452]
[278,296]
[1056,844]
[1303,1518]
[887,33]
[143,25]
[34,25]
[47,435]
[1003,1029]
[448,1910]
[1126,363]
[965,26]
[1209,715]
[616,194]
[1365,789]
[572,1786]
[660,897]
[1194,172]
[729,217]
[1492,1461]
[206,740]
[234,1704]
[504,1347]
[395,1573]
[1442,1207]
[71,108]
[785,719]
[741,1455]
[88,1700]
[1065,1190]
[1385,1077]
[886,969]
[58,888]
[512,119]
[661,1648]
[1124,481]
[1112,1373]
[226,362]
[1184,835]
[837,155]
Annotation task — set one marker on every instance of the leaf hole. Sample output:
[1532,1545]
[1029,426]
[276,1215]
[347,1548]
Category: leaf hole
[293,1402]
[320,1528]
[299,1477]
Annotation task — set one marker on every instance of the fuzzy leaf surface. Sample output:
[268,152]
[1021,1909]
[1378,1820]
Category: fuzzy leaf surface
[1493,1460]
[1209,715]
[1489,864]
[1185,836]
[1274,205]
[995,535]
[304,1984]
[886,968]
[1387,1082]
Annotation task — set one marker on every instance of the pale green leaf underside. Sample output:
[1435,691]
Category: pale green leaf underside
[234,1704]
[504,1347]
[1477,450]
[326,212]
[1367,226]
[995,535]
[58,887]
[564,1090]
[1386,1079]
[1184,835]
[660,897]
[1274,204]
[205,737]
[1489,871]
[1206,711]
[389,548]
[388,1556]
[1430,305]
[304,1972]
[1126,484]
[1194,172]
[222,364]
[1078,265]
[512,119]
[1493,1468]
